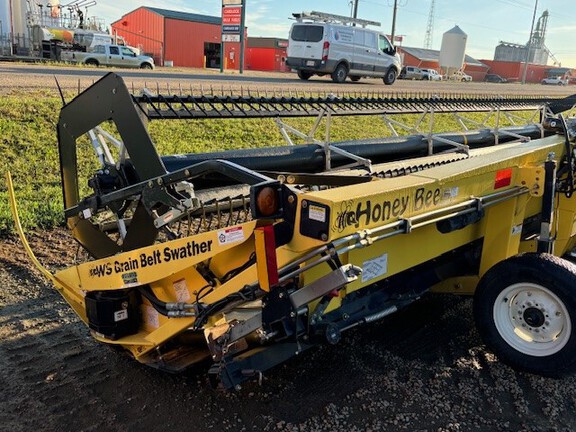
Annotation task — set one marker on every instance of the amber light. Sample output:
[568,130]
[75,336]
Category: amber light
[267,201]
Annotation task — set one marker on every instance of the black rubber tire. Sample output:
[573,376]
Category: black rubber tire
[340,73]
[146,66]
[555,275]
[390,76]
[354,78]
[92,62]
[304,75]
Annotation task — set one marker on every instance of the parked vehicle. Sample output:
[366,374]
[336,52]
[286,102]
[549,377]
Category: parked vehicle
[554,81]
[326,44]
[459,76]
[411,72]
[494,78]
[431,75]
[109,55]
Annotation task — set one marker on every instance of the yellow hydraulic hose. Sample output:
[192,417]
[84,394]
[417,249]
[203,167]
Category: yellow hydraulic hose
[20,231]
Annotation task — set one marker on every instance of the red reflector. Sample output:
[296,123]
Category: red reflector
[503,178]
[266,264]
[325,50]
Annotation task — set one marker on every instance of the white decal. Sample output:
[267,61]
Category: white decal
[120,315]
[230,235]
[375,267]
[450,193]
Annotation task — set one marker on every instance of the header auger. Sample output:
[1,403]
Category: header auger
[239,258]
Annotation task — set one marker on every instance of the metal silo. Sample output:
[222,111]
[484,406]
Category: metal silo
[453,49]
[5,26]
[19,26]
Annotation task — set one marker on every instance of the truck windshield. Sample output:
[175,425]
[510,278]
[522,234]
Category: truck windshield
[307,33]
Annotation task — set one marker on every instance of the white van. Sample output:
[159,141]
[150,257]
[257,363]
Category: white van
[327,44]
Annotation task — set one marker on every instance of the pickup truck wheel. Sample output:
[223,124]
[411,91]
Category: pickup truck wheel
[525,311]
[304,75]
[92,62]
[390,76]
[145,66]
[340,73]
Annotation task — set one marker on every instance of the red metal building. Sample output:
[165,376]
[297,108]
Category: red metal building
[177,38]
[266,54]
[513,71]
[429,59]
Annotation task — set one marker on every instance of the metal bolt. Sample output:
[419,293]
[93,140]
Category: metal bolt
[292,314]
[304,204]
[291,199]
[323,237]
[281,295]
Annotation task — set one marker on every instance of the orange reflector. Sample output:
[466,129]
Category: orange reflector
[266,264]
[503,178]
[267,201]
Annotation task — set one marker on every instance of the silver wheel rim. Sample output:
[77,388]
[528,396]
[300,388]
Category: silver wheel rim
[532,319]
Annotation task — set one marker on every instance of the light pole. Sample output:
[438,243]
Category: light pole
[529,46]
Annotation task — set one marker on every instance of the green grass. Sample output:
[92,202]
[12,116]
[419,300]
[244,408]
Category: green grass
[28,148]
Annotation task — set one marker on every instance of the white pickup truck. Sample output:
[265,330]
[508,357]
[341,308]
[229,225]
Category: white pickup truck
[109,55]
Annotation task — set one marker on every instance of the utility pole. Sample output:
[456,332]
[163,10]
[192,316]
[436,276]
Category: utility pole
[355,13]
[394,21]
[529,46]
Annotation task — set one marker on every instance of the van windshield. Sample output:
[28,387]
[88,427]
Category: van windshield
[307,33]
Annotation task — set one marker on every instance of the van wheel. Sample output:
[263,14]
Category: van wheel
[355,78]
[525,311]
[390,76]
[340,73]
[304,75]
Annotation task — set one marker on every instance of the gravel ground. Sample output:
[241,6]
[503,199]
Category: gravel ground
[422,369]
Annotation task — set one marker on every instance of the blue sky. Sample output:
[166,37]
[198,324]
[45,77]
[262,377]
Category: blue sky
[486,22]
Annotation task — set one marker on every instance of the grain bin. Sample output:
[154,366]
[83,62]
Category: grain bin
[453,49]
[5,21]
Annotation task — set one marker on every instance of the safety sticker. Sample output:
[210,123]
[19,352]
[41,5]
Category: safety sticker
[317,213]
[130,279]
[181,289]
[373,268]
[230,235]
[120,315]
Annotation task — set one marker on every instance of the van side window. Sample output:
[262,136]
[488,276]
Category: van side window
[307,33]
[114,50]
[370,40]
[358,37]
[383,43]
